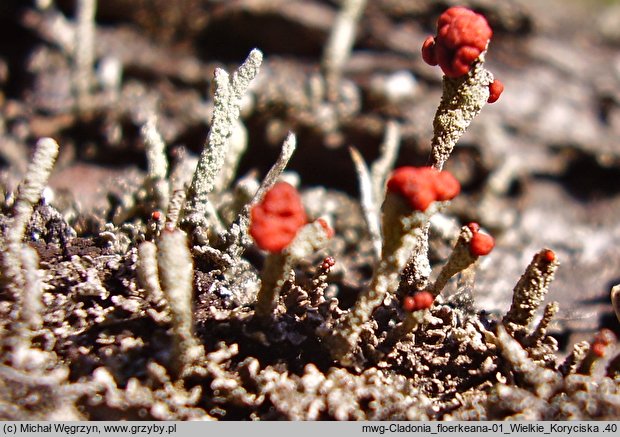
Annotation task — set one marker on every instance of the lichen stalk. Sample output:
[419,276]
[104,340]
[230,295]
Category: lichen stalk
[238,145]
[388,152]
[403,230]
[340,43]
[551,309]
[175,204]
[575,358]
[275,272]
[213,155]
[30,190]
[417,270]
[368,201]
[462,99]
[29,309]
[288,148]
[176,272]
[459,260]
[157,162]
[542,381]
[84,51]
[238,232]
[147,272]
[309,239]
[530,291]
[599,350]
[227,102]
[588,364]
[372,181]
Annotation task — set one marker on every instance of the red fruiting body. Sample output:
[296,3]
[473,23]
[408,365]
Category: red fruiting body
[473,227]
[328,230]
[421,300]
[276,220]
[605,336]
[446,186]
[428,51]
[598,349]
[422,186]
[409,304]
[462,35]
[155,215]
[601,340]
[495,90]
[481,244]
[415,184]
[328,263]
[549,255]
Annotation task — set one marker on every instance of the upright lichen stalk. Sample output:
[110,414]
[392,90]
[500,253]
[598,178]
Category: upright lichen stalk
[470,245]
[414,195]
[463,98]
[29,194]
[279,226]
[396,252]
[459,47]
[340,42]
[157,163]
[372,181]
[531,290]
[19,263]
[227,102]
[84,51]
[238,232]
[176,275]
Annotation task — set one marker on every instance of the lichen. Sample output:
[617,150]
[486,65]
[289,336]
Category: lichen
[160,306]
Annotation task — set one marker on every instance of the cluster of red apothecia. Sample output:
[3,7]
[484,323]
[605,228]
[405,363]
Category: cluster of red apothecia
[462,35]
